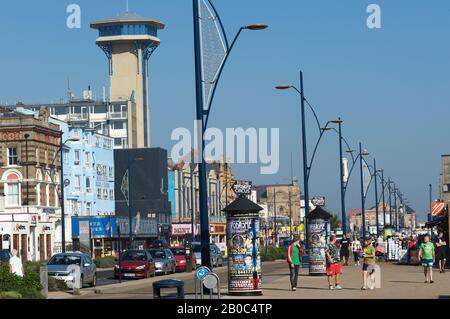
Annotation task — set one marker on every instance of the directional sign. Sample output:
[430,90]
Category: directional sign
[202,272]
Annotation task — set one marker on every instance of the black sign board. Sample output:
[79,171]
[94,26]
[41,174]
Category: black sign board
[318,201]
[242,187]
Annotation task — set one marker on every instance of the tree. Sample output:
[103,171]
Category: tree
[335,222]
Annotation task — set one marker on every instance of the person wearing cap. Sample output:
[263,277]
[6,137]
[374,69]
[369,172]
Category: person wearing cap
[295,252]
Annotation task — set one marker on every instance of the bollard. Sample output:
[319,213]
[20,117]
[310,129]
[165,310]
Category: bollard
[44,280]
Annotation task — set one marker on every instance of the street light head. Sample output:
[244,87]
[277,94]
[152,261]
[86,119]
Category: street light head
[74,139]
[350,151]
[365,153]
[283,87]
[256,27]
[324,129]
[26,135]
[338,121]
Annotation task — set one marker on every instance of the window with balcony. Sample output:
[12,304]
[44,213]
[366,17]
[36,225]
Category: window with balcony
[88,185]
[88,208]
[87,159]
[99,193]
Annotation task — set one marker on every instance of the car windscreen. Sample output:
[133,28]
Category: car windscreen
[196,248]
[134,255]
[65,260]
[158,254]
[179,252]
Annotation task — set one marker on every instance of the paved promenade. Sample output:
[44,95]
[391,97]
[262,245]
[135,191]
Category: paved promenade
[397,282]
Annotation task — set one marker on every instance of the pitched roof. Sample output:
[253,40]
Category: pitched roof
[242,204]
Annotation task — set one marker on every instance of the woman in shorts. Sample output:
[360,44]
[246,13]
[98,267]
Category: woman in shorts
[368,265]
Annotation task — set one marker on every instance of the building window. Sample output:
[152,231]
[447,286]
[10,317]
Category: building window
[118,142]
[111,194]
[77,157]
[88,185]
[13,158]
[111,172]
[87,158]
[105,194]
[88,208]
[99,193]
[77,183]
[12,190]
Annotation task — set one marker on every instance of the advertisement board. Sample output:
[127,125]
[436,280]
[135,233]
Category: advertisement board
[318,232]
[244,260]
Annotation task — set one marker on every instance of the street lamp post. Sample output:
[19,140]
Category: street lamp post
[384,201]
[376,197]
[27,136]
[343,213]
[363,210]
[430,192]
[63,216]
[390,202]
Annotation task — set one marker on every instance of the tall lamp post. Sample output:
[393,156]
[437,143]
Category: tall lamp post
[202,115]
[363,210]
[62,185]
[430,198]
[27,136]
[341,166]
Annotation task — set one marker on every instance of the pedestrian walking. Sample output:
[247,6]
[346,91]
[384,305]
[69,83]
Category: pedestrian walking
[15,264]
[294,255]
[356,249]
[427,255]
[441,252]
[334,268]
[344,251]
[368,265]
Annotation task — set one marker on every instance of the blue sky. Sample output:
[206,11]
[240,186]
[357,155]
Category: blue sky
[391,86]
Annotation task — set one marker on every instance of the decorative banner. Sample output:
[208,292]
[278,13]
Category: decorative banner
[318,231]
[244,260]
[437,209]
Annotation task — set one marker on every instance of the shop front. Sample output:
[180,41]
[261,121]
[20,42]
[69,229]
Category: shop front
[32,238]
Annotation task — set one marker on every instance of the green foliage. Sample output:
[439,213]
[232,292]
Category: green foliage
[105,262]
[273,253]
[10,295]
[28,286]
[56,285]
[335,222]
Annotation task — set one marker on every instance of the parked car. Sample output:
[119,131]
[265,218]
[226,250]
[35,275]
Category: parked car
[164,261]
[135,264]
[5,256]
[216,254]
[59,263]
[180,258]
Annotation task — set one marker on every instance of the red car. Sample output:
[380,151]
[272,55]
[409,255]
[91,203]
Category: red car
[135,264]
[180,258]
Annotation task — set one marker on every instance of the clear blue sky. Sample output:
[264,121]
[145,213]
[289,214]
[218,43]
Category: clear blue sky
[391,86]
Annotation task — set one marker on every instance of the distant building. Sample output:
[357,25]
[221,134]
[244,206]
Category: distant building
[444,189]
[29,170]
[282,200]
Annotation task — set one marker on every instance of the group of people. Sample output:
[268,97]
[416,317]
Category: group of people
[338,255]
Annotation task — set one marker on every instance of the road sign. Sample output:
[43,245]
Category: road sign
[210,281]
[202,272]
[318,201]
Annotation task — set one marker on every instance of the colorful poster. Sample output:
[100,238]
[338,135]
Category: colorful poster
[244,262]
[318,232]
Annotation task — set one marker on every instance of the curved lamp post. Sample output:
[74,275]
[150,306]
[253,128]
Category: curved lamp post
[203,109]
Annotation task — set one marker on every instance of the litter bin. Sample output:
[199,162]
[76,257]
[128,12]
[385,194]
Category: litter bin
[168,284]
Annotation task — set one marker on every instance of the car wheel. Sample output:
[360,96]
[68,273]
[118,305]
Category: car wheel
[165,270]
[147,274]
[94,281]
[174,269]
[153,273]
[82,281]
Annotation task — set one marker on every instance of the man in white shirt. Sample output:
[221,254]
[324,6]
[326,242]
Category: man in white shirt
[15,264]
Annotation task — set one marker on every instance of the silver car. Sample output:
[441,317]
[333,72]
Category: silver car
[216,255]
[164,260]
[59,263]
